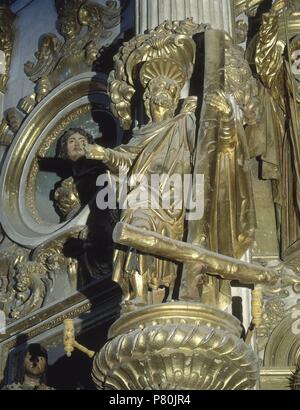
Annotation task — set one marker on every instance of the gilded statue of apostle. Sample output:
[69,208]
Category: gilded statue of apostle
[167,146]
[162,147]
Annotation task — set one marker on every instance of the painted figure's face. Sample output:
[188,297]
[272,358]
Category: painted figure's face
[75,146]
[35,366]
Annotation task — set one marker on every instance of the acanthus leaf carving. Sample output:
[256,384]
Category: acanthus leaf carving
[29,282]
[47,55]
[31,285]
[83,26]
[7,36]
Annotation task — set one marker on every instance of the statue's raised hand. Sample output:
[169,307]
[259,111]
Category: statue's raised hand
[221,103]
[94,151]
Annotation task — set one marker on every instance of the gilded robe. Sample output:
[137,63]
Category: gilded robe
[278,134]
[221,155]
[155,149]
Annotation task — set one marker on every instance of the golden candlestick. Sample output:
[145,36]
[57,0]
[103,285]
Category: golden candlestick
[70,343]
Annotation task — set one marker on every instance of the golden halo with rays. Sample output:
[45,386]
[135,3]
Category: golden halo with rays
[163,67]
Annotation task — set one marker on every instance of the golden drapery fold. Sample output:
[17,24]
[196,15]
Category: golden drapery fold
[279,130]
[222,156]
[163,149]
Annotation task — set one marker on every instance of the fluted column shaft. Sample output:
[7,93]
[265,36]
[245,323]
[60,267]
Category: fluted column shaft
[151,13]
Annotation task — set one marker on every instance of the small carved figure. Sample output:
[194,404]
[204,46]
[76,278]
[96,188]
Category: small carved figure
[33,370]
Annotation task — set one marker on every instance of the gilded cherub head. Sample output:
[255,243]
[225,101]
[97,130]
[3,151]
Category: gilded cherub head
[68,23]
[23,277]
[25,272]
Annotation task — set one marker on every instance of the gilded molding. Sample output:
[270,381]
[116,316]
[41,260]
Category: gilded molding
[277,378]
[6,136]
[273,312]
[283,345]
[28,103]
[86,28]
[295,379]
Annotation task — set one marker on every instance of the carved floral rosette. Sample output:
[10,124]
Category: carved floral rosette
[176,346]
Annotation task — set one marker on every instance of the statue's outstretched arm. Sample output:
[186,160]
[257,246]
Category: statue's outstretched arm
[120,158]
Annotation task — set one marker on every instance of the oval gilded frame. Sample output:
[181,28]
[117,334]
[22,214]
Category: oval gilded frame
[18,212]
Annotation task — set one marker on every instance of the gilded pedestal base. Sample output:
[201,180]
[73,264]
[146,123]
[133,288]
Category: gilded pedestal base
[176,346]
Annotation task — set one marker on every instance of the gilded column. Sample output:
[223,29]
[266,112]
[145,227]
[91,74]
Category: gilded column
[7,35]
[6,42]
[151,13]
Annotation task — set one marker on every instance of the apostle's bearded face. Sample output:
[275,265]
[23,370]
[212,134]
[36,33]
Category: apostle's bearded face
[161,98]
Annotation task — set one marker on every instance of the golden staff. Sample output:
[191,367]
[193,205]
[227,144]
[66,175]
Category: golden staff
[218,265]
